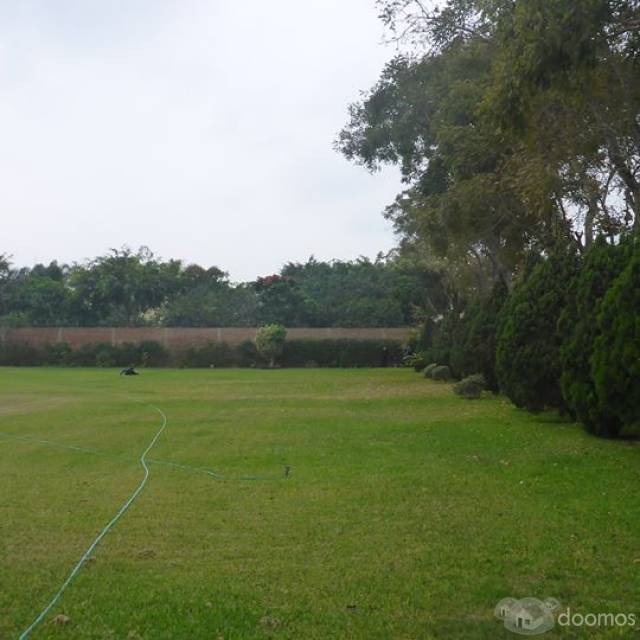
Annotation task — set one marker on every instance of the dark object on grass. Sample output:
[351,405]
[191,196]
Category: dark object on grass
[287,471]
[471,387]
[129,371]
[441,373]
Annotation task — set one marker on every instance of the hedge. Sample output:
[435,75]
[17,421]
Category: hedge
[342,353]
[146,353]
[297,353]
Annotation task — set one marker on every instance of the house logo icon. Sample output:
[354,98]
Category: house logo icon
[528,616]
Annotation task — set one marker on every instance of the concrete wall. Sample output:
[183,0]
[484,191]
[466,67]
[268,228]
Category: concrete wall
[178,339]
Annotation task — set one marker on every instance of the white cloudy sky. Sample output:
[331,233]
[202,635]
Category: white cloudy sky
[201,128]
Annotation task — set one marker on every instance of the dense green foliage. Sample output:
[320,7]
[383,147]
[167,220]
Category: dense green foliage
[602,264]
[616,354]
[465,340]
[529,341]
[475,350]
[471,387]
[270,342]
[342,352]
[146,353]
[339,352]
[126,288]
[515,126]
[441,372]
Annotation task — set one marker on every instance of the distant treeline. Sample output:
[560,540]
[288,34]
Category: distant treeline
[127,288]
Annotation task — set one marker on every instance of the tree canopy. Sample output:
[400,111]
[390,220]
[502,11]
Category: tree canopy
[128,288]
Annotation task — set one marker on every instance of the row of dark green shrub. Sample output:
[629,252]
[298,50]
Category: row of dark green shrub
[297,353]
[566,336]
[147,353]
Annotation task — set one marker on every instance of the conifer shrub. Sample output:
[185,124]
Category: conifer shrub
[602,264]
[615,364]
[528,345]
[477,334]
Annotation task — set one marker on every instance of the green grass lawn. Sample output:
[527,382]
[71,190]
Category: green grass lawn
[408,512]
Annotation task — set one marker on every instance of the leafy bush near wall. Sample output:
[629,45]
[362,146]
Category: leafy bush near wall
[471,387]
[270,342]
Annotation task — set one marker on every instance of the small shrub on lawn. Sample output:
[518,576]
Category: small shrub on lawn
[442,373]
[428,370]
[415,360]
[471,387]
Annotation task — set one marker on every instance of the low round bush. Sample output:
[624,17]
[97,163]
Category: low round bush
[428,370]
[442,373]
[471,387]
[415,360]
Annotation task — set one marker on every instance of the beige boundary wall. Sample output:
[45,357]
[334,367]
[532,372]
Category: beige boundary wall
[178,339]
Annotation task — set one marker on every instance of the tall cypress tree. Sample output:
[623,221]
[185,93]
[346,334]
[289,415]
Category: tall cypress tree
[528,350]
[615,365]
[602,264]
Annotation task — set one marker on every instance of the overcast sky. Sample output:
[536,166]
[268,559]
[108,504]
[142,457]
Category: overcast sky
[200,128]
